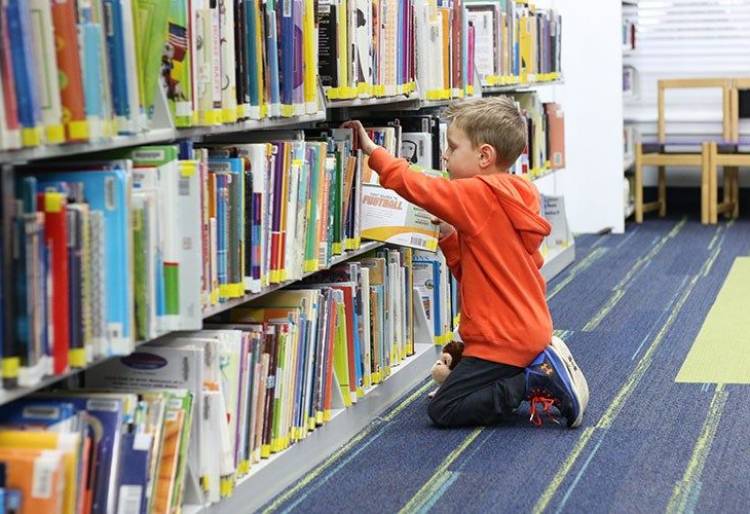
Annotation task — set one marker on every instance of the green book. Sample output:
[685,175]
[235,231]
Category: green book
[151,21]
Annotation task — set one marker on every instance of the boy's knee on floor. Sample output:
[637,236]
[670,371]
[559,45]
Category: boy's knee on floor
[436,412]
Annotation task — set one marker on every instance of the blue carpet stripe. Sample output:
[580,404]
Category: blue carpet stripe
[644,436]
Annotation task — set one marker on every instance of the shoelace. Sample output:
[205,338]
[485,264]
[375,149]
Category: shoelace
[547,403]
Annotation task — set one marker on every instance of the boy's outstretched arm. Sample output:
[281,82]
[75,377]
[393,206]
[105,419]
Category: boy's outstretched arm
[461,203]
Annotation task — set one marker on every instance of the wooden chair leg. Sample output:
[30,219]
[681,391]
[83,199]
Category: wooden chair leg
[705,183]
[736,193]
[727,193]
[662,191]
[712,186]
[638,184]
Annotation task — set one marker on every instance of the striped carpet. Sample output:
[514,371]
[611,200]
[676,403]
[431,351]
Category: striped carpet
[629,308]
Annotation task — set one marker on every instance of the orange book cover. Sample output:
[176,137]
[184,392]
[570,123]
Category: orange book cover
[69,67]
[170,449]
[555,135]
[38,475]
[445,15]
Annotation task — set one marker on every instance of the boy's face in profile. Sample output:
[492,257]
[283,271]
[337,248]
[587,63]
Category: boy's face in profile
[461,157]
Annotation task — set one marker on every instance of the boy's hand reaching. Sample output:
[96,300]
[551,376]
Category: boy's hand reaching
[368,146]
[445,228]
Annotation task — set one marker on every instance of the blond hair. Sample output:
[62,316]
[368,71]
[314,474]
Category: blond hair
[494,120]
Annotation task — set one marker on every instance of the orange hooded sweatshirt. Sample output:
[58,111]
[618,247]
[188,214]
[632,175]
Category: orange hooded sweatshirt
[494,254]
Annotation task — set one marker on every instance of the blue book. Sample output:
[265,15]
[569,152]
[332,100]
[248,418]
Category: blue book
[135,449]
[92,71]
[252,29]
[234,177]
[104,420]
[115,37]
[298,94]
[221,228]
[27,90]
[31,413]
[272,58]
[299,414]
[107,188]
[286,58]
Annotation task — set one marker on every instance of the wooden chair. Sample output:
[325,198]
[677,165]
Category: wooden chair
[658,155]
[730,158]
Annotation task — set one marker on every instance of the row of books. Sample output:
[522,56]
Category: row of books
[79,70]
[514,41]
[96,452]
[139,242]
[385,47]
[183,419]
[75,70]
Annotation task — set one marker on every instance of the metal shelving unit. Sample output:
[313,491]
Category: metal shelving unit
[274,475]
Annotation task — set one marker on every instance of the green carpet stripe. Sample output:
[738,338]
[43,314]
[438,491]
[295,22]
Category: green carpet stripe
[620,289]
[684,491]
[377,424]
[720,351]
[617,403]
[578,268]
[441,475]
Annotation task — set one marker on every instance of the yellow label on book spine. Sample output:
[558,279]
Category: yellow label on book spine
[56,133]
[77,357]
[319,415]
[78,130]
[360,392]
[31,136]
[364,89]
[336,248]
[311,265]
[214,297]
[10,367]
[265,451]
[287,111]
[327,416]
[376,377]
[378,90]
[226,487]
[205,483]
[244,467]
[311,423]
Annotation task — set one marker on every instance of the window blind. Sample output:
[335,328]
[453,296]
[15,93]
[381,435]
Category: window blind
[686,39]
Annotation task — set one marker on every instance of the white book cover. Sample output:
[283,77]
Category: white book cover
[416,148]
[228,76]
[45,57]
[362,21]
[137,119]
[256,154]
[389,218]
[485,37]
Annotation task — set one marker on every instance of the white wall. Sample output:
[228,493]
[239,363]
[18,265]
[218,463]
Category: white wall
[592,99]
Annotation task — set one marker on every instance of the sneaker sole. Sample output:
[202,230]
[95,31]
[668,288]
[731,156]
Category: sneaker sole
[559,364]
[579,379]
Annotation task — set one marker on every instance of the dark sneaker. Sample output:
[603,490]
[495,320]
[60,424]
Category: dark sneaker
[549,383]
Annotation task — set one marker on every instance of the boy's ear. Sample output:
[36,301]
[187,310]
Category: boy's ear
[487,155]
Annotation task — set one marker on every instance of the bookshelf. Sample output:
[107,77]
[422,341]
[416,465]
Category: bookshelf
[273,475]
[276,474]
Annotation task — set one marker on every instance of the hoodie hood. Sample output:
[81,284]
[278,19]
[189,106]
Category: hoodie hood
[519,199]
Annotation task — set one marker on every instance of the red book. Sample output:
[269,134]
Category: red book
[328,374]
[457,34]
[6,69]
[52,204]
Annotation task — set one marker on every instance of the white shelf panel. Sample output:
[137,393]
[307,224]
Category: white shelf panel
[150,137]
[557,260]
[628,162]
[225,306]
[510,88]
[273,476]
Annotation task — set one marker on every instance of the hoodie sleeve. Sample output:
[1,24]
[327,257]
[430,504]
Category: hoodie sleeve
[452,251]
[463,203]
